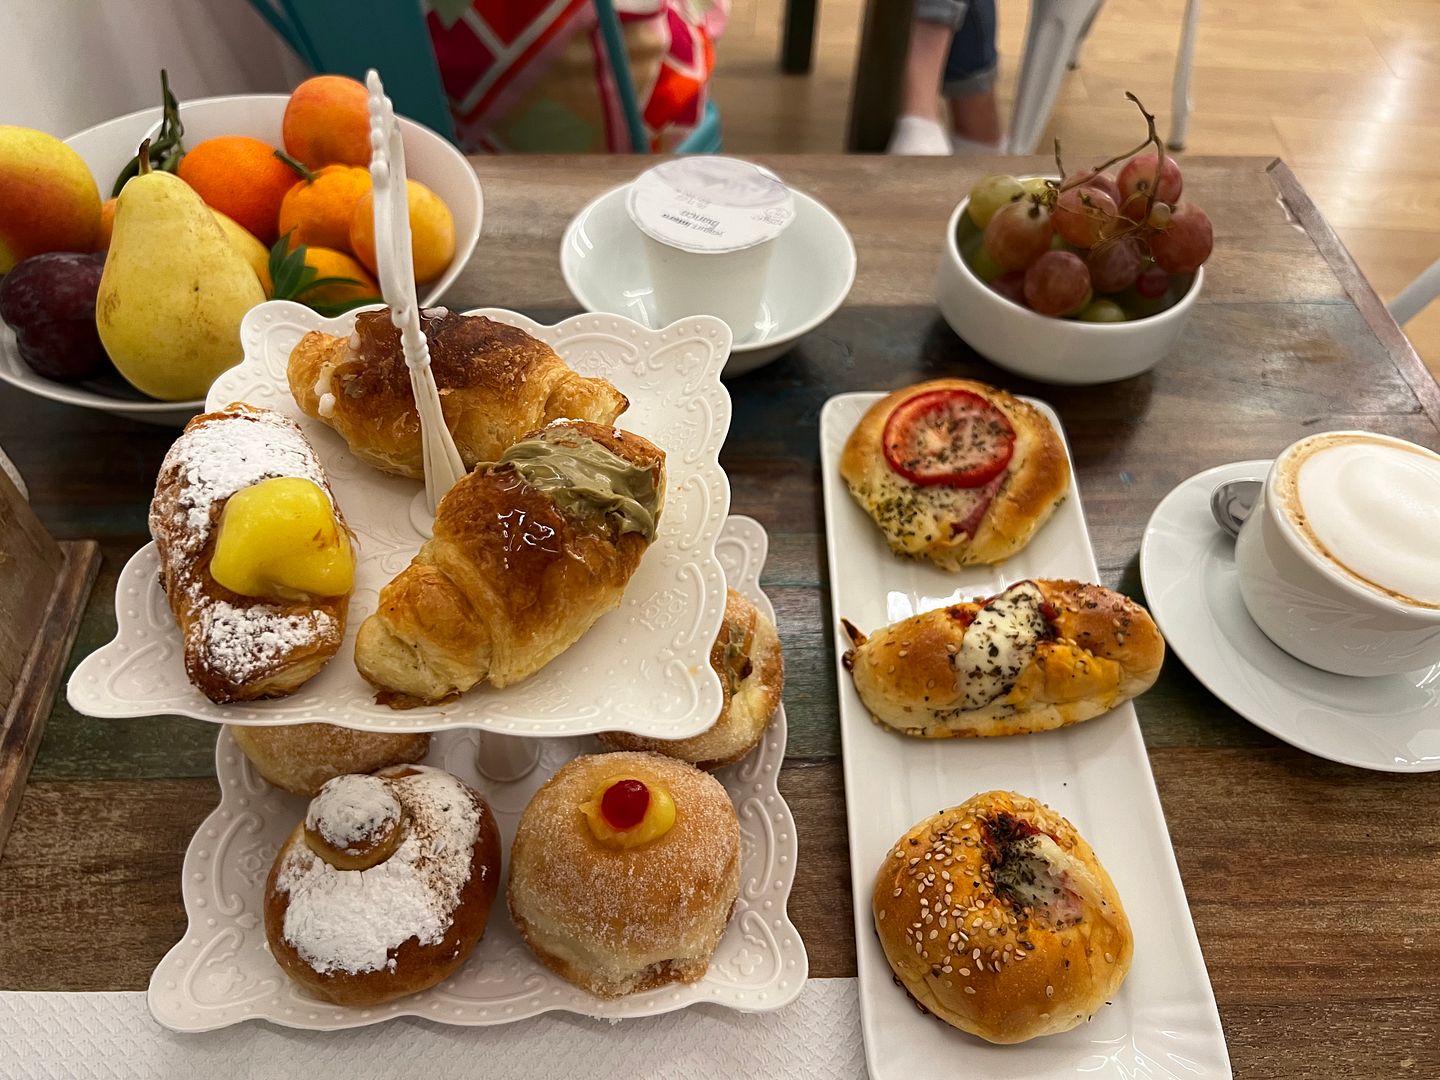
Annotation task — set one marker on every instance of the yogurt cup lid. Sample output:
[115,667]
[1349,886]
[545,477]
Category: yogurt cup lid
[710,204]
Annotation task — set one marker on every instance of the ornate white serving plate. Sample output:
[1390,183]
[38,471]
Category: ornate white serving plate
[1163,1024]
[221,972]
[642,668]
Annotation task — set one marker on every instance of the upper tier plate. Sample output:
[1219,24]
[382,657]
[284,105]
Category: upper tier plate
[642,668]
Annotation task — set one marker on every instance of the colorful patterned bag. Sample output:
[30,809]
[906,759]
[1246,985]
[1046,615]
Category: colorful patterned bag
[532,76]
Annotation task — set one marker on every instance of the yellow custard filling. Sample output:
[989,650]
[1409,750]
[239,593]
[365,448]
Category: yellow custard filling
[280,538]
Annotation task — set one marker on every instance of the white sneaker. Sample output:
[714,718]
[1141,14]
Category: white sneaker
[918,135]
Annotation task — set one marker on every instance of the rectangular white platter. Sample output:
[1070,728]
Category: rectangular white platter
[1163,1024]
[221,972]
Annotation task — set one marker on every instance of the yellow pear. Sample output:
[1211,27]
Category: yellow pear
[244,241]
[173,292]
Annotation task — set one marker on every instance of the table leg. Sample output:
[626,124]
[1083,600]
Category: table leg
[879,72]
[797,46]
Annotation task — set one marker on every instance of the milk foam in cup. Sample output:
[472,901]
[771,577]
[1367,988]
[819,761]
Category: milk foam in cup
[709,225]
[1339,564]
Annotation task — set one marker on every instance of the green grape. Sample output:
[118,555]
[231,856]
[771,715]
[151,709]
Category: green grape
[989,194]
[985,268]
[1103,311]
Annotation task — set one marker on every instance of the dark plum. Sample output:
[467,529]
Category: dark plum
[49,301]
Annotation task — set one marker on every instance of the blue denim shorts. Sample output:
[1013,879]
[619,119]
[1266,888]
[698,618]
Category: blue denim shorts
[971,65]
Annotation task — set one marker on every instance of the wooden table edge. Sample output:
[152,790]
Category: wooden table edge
[1302,209]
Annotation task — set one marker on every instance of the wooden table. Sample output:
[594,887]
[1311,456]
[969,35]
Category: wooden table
[1315,887]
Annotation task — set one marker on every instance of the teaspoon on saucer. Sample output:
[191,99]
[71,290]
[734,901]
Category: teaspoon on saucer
[1232,501]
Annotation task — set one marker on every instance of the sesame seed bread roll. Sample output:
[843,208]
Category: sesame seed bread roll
[996,916]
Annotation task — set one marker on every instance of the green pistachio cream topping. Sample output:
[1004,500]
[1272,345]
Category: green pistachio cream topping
[585,478]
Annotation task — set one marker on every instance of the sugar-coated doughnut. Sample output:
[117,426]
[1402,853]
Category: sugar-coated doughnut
[617,920]
[301,757]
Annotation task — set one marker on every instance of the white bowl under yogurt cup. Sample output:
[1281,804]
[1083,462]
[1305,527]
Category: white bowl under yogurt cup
[1332,563]
[709,224]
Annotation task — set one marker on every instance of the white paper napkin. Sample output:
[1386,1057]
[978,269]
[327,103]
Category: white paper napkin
[84,1036]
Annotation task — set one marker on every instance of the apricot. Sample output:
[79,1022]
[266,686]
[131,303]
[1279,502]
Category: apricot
[48,199]
[432,231]
[329,263]
[327,122]
[319,211]
[242,178]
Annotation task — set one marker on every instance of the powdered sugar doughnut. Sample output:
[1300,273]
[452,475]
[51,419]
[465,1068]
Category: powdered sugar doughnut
[408,919]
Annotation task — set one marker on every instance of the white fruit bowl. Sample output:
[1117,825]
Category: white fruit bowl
[1064,351]
[105,148]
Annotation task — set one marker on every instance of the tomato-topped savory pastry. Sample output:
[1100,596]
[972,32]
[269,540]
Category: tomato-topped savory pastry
[255,556]
[956,471]
[624,871]
[496,383]
[1038,656]
[997,917]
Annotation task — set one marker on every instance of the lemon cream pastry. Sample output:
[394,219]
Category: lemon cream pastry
[527,553]
[1040,655]
[385,887]
[624,872]
[301,757]
[496,383]
[746,655]
[996,916]
[255,556]
[956,471]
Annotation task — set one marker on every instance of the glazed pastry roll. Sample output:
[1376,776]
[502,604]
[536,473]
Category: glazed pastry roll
[527,553]
[496,383]
[255,555]
[747,657]
[1040,655]
[956,471]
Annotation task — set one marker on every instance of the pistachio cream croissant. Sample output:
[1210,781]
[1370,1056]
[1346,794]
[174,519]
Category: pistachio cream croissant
[527,553]
[496,383]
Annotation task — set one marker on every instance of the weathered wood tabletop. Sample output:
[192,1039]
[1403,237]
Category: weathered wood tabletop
[1315,887]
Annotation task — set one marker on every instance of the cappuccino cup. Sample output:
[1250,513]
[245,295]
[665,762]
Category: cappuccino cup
[1339,561]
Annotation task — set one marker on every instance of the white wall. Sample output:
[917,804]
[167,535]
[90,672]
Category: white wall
[68,64]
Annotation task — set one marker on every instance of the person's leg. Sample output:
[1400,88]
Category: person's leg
[969,84]
[918,129]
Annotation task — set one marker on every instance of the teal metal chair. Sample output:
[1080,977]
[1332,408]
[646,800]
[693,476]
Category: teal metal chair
[348,37]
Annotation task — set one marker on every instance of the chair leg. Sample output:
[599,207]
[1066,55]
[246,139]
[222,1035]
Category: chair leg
[879,73]
[1050,39]
[1417,294]
[797,46]
[1180,93]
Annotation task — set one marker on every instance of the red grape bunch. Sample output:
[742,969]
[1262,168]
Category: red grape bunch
[1098,247]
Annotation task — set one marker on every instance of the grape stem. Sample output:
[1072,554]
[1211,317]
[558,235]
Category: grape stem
[1151,137]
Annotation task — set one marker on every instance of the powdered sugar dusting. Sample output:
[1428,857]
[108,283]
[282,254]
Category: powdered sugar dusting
[352,811]
[350,920]
[219,457]
[245,642]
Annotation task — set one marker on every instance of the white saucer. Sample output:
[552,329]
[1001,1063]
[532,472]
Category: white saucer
[811,271]
[1187,566]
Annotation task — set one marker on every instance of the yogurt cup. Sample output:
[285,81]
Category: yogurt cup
[709,224]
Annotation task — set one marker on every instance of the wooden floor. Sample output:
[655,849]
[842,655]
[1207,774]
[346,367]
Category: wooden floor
[1346,91]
